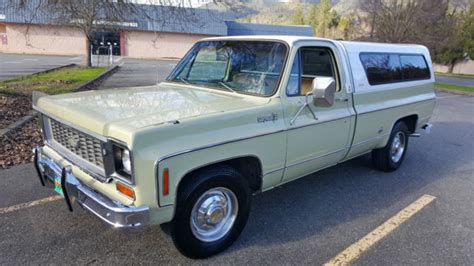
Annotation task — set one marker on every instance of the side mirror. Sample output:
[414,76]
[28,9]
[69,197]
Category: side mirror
[324,89]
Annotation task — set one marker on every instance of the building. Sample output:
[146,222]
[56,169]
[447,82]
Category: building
[31,32]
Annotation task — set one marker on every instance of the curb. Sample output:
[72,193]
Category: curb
[19,123]
[463,93]
[98,80]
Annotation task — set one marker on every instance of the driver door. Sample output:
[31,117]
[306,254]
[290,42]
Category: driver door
[319,136]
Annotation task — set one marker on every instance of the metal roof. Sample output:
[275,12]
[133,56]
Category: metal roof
[236,29]
[163,19]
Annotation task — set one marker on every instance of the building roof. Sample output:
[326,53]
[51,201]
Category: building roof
[236,28]
[161,19]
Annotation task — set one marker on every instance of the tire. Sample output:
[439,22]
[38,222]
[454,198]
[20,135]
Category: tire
[389,158]
[206,190]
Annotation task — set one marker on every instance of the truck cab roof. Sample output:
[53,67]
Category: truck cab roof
[350,46]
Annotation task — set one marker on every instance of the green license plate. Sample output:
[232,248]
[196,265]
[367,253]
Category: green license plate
[57,184]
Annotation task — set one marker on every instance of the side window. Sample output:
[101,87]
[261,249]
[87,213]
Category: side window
[414,67]
[310,62]
[382,68]
[293,86]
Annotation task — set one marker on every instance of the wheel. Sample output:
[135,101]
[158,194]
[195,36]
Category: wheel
[211,212]
[390,157]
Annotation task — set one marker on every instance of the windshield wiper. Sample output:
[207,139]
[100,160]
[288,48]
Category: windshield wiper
[184,80]
[227,87]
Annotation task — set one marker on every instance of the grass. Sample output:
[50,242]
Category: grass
[454,87]
[455,75]
[54,82]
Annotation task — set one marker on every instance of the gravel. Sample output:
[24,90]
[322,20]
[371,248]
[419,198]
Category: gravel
[16,147]
[12,108]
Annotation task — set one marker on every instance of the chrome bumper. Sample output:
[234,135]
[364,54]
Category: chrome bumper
[74,191]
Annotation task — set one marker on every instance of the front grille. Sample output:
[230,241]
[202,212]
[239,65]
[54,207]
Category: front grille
[83,145]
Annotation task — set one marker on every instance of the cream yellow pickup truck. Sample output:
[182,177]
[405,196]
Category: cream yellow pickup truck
[237,116]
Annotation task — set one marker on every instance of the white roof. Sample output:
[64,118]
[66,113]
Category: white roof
[351,47]
[357,47]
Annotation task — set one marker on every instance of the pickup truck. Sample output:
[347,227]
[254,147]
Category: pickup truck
[236,116]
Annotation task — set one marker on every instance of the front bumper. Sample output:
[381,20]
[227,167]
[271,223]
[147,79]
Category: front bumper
[74,191]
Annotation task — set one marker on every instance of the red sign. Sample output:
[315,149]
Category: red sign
[4,38]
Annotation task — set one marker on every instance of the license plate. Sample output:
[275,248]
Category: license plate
[57,184]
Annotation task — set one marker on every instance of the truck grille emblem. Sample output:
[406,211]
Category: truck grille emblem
[73,142]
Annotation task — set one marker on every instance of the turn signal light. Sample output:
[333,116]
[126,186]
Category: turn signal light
[126,190]
[166,182]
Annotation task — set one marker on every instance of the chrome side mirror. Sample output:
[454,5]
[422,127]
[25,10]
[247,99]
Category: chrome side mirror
[324,89]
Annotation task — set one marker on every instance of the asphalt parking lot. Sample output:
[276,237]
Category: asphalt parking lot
[463,81]
[306,221]
[136,72]
[14,65]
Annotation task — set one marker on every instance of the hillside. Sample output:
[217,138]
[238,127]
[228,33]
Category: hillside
[280,11]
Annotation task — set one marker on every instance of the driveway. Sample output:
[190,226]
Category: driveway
[136,72]
[455,80]
[15,65]
[307,221]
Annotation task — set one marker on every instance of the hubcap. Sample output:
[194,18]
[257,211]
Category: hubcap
[214,214]
[398,147]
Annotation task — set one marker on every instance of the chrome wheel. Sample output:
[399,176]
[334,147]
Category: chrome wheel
[398,147]
[214,214]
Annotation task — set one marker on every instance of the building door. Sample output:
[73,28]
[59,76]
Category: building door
[102,40]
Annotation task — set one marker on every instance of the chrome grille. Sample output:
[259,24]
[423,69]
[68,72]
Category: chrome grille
[83,145]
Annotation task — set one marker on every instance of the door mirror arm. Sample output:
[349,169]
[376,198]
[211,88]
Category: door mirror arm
[306,104]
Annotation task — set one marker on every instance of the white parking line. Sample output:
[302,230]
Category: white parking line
[29,204]
[355,250]
[447,97]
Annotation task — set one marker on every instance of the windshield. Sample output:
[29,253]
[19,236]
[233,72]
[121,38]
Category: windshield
[252,67]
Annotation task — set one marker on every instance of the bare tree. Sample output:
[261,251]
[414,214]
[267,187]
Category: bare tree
[428,22]
[90,16]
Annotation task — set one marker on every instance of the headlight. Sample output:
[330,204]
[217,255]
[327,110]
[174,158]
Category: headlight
[122,161]
[127,164]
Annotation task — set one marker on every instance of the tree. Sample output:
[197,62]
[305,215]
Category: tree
[90,16]
[344,27]
[297,18]
[467,31]
[325,18]
[461,45]
[313,17]
[433,23]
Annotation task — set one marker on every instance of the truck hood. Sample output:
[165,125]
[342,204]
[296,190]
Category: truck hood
[129,109]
